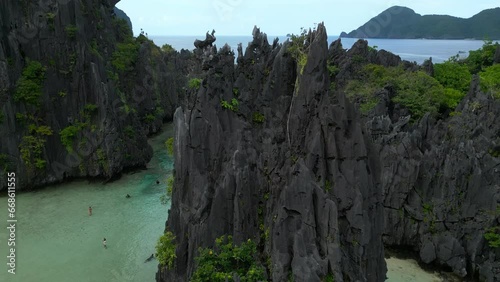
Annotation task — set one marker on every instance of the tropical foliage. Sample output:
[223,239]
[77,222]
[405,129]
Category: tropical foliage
[226,260]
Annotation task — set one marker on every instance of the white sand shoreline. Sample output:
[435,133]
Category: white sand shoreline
[408,270]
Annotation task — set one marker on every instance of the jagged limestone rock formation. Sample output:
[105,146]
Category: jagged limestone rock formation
[496,59]
[209,40]
[441,184]
[78,93]
[266,152]
[440,177]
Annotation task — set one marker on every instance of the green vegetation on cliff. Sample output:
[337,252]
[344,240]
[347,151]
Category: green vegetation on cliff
[194,83]
[170,146]
[33,145]
[125,55]
[402,22]
[165,249]
[481,58]
[233,105]
[415,90]
[298,48]
[453,75]
[68,135]
[421,93]
[226,259]
[490,80]
[492,236]
[30,84]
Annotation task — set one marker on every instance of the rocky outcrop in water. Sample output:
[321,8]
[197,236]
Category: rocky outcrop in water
[265,151]
[78,94]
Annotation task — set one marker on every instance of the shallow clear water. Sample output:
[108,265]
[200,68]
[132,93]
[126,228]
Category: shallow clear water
[57,240]
[408,270]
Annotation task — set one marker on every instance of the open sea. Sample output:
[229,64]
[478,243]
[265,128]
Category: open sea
[413,50]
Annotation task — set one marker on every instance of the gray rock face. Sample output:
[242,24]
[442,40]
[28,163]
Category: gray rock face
[428,67]
[440,177]
[305,174]
[496,59]
[441,183]
[75,41]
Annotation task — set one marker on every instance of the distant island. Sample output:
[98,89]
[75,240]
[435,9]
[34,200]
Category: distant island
[403,23]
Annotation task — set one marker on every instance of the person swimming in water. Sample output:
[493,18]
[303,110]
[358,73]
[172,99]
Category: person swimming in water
[90,211]
[150,258]
[157,181]
[128,196]
[104,242]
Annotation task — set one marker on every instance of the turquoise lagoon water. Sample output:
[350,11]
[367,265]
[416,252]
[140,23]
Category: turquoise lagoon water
[57,240]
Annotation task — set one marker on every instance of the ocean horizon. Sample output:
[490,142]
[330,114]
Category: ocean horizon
[413,50]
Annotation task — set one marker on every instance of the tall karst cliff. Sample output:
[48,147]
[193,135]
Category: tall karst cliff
[265,151]
[78,93]
[440,174]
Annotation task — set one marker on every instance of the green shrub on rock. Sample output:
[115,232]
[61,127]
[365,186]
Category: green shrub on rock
[493,237]
[165,249]
[125,56]
[170,146]
[33,145]
[453,75]
[490,80]
[29,86]
[233,105]
[481,58]
[419,93]
[225,260]
[170,185]
[167,48]
[67,136]
[71,31]
[258,117]
[194,83]
[299,48]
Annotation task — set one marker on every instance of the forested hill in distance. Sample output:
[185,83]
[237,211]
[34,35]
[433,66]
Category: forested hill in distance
[403,23]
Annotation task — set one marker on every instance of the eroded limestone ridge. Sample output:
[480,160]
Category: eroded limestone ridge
[78,93]
[440,173]
[265,151]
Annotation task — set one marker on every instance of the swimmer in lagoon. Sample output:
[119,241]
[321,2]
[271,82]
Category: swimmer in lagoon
[150,258]
[104,243]
[128,196]
[90,211]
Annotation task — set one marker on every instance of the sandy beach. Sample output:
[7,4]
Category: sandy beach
[408,270]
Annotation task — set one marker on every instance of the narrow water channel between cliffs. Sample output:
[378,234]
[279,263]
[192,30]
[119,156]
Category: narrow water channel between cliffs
[56,239]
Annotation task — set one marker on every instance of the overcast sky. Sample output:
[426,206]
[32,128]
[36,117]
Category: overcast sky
[275,17]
